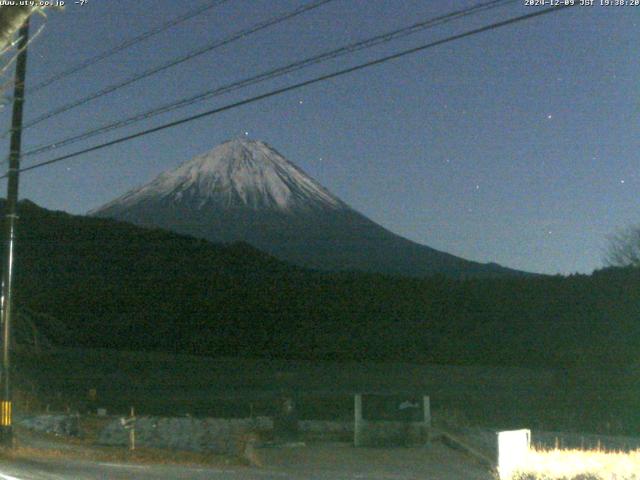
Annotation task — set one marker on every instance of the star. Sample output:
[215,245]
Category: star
[246,134]
[549,117]
[300,102]
[622,181]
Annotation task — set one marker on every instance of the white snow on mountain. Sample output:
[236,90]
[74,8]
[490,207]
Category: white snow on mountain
[237,173]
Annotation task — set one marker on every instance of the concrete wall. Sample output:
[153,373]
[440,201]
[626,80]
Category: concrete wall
[383,433]
[321,430]
[388,432]
[513,448]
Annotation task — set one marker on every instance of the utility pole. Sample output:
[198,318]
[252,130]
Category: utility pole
[6,304]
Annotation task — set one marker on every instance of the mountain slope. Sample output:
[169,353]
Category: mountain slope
[246,191]
[114,285]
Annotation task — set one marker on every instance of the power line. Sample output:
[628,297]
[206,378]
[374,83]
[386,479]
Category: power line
[147,73]
[296,86]
[126,44]
[270,74]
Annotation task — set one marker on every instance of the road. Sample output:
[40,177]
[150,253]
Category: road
[327,462]
[54,470]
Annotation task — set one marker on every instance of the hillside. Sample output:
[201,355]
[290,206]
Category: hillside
[114,285]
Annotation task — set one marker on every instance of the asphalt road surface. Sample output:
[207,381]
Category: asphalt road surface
[309,463]
[47,470]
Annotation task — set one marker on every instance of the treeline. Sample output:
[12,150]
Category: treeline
[116,285]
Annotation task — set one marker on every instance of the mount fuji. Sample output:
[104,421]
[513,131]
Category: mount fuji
[245,190]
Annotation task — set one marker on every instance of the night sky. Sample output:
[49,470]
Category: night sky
[520,145]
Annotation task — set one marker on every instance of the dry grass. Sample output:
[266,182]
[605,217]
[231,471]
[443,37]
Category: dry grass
[580,465]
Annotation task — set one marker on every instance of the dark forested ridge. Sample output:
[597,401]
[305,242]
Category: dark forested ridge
[116,285]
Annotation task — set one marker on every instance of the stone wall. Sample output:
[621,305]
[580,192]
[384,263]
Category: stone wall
[222,435]
[226,436]
[58,424]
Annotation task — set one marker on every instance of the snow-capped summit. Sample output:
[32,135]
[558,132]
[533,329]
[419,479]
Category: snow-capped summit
[244,190]
[239,173]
